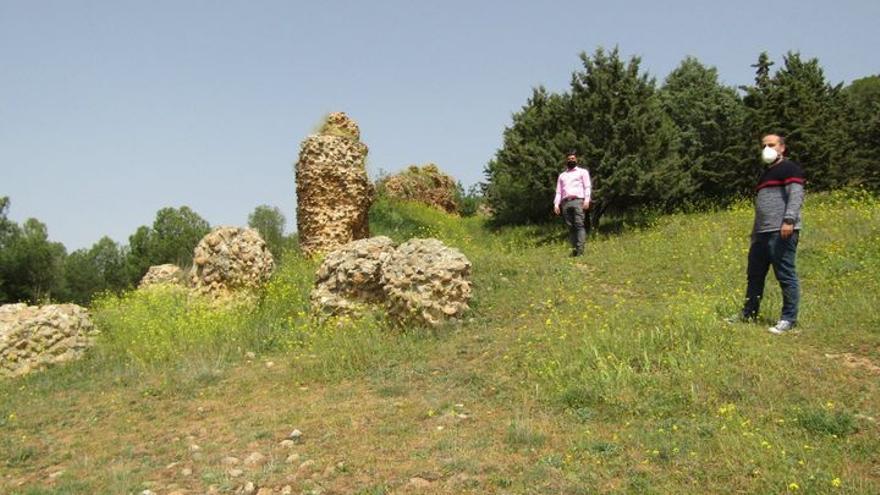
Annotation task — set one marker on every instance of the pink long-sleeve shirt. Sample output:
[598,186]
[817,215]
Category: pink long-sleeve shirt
[574,183]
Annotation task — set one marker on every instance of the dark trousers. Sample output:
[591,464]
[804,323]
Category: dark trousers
[770,249]
[573,213]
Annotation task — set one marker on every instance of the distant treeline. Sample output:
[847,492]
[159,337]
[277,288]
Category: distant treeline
[34,269]
[688,143]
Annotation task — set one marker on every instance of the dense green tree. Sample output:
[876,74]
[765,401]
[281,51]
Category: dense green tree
[798,103]
[624,137]
[6,231]
[98,269]
[31,266]
[863,126]
[176,231]
[172,239]
[614,118]
[711,121]
[269,222]
[521,177]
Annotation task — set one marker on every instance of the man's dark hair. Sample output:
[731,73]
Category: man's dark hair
[571,152]
[781,140]
[777,134]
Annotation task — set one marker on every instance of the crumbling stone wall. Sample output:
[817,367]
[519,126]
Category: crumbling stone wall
[163,274]
[421,281]
[333,191]
[426,184]
[231,258]
[33,337]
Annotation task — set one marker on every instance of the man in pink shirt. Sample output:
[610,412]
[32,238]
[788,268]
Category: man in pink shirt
[573,190]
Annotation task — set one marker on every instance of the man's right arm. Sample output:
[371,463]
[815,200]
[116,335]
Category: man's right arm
[558,198]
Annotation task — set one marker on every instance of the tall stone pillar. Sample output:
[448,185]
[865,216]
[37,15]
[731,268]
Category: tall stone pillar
[333,193]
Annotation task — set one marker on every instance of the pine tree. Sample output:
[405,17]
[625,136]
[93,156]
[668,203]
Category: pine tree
[626,140]
[799,104]
[522,176]
[711,119]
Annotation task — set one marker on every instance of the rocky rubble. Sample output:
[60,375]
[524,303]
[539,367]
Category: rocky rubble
[426,184]
[351,276]
[333,191]
[231,258]
[423,280]
[163,274]
[33,337]
[426,281]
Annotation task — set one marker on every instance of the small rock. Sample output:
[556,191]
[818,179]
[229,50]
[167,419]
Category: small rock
[148,492]
[177,492]
[250,355]
[287,490]
[307,465]
[235,473]
[254,459]
[295,435]
[265,491]
[186,472]
[194,448]
[56,475]
[462,416]
[292,458]
[269,364]
[419,482]
[287,444]
[249,487]
[230,461]
[172,465]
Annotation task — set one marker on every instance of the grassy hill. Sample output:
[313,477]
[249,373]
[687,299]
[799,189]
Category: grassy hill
[613,373]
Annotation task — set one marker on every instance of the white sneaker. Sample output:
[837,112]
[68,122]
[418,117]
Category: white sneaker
[781,327]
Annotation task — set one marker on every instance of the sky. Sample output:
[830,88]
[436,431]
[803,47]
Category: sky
[112,110]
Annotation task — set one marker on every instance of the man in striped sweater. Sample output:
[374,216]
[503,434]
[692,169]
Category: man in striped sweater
[778,201]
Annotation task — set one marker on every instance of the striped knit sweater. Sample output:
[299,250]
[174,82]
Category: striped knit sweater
[780,195]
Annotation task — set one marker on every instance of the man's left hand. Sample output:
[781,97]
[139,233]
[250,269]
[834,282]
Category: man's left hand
[786,231]
[586,204]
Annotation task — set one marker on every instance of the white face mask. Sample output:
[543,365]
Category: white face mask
[769,155]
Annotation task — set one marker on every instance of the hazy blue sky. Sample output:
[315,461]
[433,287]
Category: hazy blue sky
[111,110]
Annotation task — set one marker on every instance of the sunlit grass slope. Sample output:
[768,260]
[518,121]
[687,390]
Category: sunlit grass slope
[612,373]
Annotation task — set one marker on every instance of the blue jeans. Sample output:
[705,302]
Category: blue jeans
[770,249]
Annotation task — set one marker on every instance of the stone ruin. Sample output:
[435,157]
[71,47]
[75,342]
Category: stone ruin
[426,281]
[421,281]
[167,274]
[333,191]
[230,258]
[426,184]
[34,337]
[351,276]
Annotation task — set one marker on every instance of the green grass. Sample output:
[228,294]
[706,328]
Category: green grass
[612,373]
